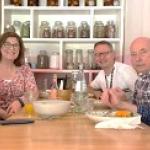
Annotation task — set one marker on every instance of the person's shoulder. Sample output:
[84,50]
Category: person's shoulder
[123,65]
[25,67]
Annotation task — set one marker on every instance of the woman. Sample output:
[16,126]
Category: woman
[16,78]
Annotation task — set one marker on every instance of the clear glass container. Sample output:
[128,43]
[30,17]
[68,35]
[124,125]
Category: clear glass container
[68,59]
[116,2]
[33,2]
[90,59]
[9,28]
[17,26]
[71,30]
[108,2]
[78,58]
[84,30]
[45,30]
[99,29]
[54,60]
[110,29]
[43,60]
[16,2]
[73,2]
[25,29]
[58,30]
[52,2]
[90,2]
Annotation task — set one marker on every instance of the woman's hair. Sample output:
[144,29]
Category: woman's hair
[20,59]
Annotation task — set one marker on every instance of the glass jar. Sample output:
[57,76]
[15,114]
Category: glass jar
[45,31]
[71,30]
[9,28]
[90,58]
[90,2]
[58,30]
[99,29]
[17,26]
[16,2]
[69,59]
[33,2]
[52,2]
[78,58]
[54,60]
[73,2]
[110,29]
[84,30]
[108,2]
[25,29]
[116,2]
[43,60]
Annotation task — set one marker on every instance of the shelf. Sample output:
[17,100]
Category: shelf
[60,71]
[90,14]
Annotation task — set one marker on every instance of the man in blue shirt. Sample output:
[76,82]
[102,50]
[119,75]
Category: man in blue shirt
[115,97]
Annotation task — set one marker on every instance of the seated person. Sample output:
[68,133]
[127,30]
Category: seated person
[114,98]
[113,73]
[16,78]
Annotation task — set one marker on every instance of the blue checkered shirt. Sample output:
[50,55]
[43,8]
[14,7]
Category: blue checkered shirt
[141,97]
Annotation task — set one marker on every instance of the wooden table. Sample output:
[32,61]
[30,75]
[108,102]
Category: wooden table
[71,132]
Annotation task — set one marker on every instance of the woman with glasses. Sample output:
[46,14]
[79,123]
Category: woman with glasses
[112,73]
[16,78]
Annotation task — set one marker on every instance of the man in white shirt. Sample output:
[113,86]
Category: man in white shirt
[113,73]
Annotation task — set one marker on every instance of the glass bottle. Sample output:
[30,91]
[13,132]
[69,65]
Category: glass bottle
[84,30]
[43,60]
[68,59]
[73,2]
[99,29]
[90,2]
[54,87]
[25,29]
[110,29]
[33,2]
[80,96]
[78,58]
[52,2]
[71,30]
[58,30]
[54,60]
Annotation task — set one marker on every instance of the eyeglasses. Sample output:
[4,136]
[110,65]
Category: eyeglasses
[9,45]
[102,54]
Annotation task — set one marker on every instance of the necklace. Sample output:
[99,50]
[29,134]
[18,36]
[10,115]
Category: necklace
[111,79]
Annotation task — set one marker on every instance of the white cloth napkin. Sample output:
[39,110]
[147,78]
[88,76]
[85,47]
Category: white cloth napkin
[118,124]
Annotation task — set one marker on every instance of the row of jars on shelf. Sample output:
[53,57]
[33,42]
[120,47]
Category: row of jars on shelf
[65,2]
[21,28]
[72,31]
[70,60]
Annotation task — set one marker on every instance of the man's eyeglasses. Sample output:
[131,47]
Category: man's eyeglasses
[102,54]
[9,45]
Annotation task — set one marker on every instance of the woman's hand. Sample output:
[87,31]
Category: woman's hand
[3,114]
[14,107]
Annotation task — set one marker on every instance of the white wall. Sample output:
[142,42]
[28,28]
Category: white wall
[137,21]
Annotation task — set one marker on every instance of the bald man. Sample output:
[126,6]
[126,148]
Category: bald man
[140,58]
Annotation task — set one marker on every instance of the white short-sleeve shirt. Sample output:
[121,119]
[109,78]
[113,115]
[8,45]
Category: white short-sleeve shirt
[124,77]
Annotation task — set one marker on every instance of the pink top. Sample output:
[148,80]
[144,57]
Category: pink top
[10,90]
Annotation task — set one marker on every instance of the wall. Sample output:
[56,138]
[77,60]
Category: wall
[137,22]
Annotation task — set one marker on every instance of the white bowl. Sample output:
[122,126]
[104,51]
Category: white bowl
[48,108]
